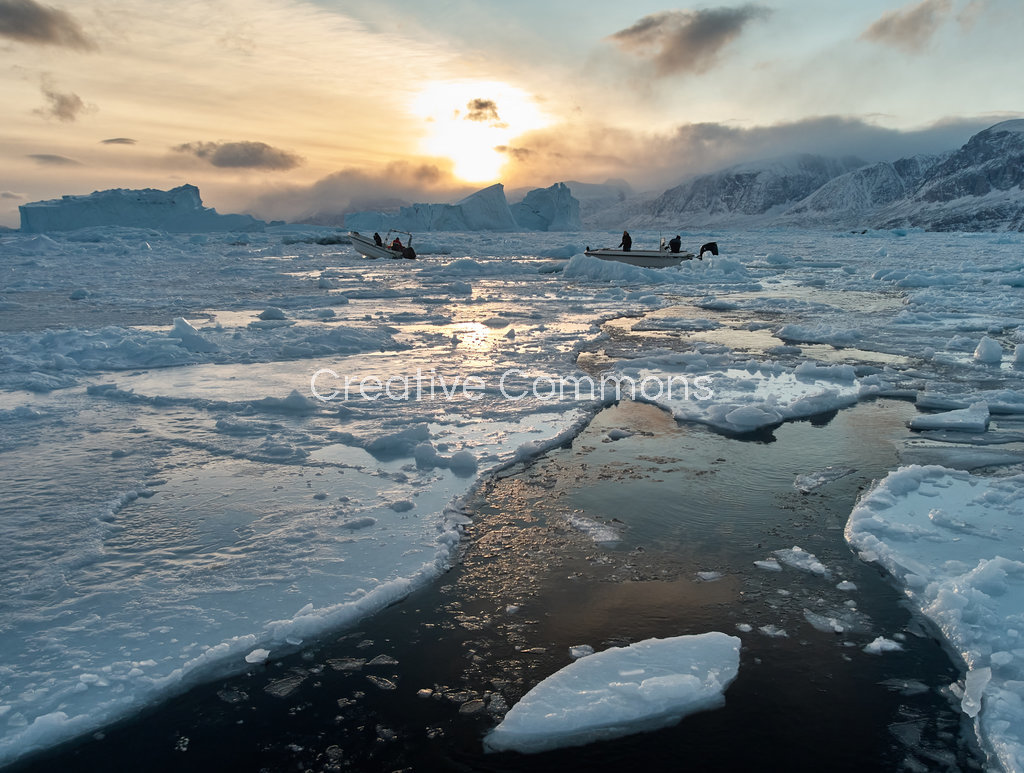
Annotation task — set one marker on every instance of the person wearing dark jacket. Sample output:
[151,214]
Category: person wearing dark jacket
[675,243]
[627,242]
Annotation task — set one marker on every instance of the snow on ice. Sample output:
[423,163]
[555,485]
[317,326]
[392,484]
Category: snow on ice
[954,540]
[619,691]
[307,468]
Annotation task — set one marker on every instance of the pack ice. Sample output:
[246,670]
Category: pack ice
[623,690]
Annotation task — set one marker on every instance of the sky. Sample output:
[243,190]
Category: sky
[292,109]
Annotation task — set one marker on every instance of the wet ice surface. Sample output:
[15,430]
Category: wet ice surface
[180,500]
[419,684]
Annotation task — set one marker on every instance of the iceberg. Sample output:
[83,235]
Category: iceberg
[548,209]
[623,690]
[179,210]
[487,210]
[543,209]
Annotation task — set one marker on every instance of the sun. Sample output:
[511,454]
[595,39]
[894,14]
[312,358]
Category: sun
[468,120]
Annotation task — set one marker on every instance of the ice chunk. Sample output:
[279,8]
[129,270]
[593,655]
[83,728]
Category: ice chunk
[810,481]
[798,558]
[190,337]
[620,691]
[881,644]
[972,419]
[988,351]
[257,656]
[272,312]
[974,686]
[598,532]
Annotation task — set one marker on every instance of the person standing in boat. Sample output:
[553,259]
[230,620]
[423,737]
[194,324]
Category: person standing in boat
[675,243]
[397,244]
[627,242]
[377,240]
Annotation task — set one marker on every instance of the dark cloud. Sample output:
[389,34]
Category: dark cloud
[482,110]
[63,107]
[357,190]
[520,154]
[118,141]
[686,41]
[242,155]
[29,22]
[909,28]
[50,159]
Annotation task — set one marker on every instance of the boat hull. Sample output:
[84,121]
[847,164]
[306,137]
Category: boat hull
[366,247]
[642,258]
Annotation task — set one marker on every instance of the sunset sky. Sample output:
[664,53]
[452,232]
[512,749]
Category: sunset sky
[285,108]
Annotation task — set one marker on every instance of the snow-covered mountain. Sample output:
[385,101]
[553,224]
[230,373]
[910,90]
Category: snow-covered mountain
[750,193]
[978,188]
[975,188]
[850,198]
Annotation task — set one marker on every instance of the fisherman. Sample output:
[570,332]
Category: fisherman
[627,242]
[675,243]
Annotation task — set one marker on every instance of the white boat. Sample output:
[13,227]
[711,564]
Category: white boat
[368,246]
[659,258]
[642,258]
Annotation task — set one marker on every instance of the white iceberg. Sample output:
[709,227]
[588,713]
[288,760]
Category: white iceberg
[623,690]
[178,210]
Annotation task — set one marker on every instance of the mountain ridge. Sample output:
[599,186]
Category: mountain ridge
[978,187]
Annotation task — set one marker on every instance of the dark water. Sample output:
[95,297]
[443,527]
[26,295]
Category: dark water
[417,686]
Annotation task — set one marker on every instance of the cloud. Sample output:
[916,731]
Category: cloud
[399,183]
[11,195]
[242,155]
[482,110]
[972,13]
[685,41]
[118,141]
[29,22]
[909,28]
[64,107]
[50,159]
[656,161]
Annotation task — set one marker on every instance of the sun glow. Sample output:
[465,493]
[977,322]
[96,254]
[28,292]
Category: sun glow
[467,121]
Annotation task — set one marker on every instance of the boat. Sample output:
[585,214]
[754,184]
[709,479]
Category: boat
[368,247]
[658,258]
[642,258]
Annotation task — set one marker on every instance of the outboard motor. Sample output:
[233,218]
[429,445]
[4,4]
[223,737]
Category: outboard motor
[410,253]
[711,247]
